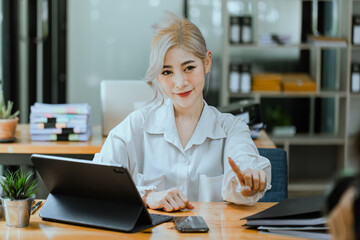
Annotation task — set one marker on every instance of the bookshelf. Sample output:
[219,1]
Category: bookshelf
[326,119]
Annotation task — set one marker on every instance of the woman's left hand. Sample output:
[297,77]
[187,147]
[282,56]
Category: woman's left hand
[251,180]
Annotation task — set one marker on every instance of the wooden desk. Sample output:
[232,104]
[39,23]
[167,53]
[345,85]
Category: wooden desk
[24,144]
[18,153]
[222,218]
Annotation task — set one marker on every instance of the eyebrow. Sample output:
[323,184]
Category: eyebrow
[183,64]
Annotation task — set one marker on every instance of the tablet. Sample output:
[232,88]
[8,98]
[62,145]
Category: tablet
[92,194]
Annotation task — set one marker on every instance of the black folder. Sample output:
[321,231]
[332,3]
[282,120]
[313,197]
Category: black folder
[93,195]
[299,217]
[292,208]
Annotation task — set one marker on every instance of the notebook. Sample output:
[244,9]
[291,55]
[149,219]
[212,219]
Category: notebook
[121,97]
[93,195]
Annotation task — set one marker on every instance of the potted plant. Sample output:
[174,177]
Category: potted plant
[8,121]
[280,121]
[18,196]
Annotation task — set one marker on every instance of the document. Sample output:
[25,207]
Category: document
[298,217]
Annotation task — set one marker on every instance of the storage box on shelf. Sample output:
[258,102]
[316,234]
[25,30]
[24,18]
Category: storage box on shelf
[321,106]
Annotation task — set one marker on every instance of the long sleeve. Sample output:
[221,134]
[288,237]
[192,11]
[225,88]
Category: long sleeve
[113,151]
[240,147]
[124,147]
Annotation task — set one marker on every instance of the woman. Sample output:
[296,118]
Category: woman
[181,149]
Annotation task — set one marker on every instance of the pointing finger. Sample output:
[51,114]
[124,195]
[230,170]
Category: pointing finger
[237,170]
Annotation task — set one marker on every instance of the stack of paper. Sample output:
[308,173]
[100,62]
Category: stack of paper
[298,82]
[60,122]
[300,217]
[266,82]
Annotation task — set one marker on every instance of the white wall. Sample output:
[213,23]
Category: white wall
[109,39]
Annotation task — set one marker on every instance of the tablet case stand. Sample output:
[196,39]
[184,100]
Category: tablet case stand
[95,213]
[93,195]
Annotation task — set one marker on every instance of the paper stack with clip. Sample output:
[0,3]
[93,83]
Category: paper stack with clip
[60,122]
[298,217]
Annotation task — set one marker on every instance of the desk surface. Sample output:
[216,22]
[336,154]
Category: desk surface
[23,143]
[222,218]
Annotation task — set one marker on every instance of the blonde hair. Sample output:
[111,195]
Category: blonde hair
[173,32]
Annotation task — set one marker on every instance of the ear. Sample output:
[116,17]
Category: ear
[208,62]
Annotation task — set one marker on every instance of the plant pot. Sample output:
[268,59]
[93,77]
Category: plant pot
[284,131]
[7,129]
[17,212]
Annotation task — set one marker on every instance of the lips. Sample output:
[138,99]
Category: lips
[184,94]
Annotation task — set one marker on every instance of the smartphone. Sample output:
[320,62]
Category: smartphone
[191,224]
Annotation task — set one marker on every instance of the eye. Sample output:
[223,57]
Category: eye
[166,72]
[189,68]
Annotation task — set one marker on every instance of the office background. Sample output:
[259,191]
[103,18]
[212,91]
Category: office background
[58,51]
[85,41]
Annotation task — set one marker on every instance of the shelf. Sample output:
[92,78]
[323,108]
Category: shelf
[307,139]
[316,106]
[310,186]
[282,94]
[355,95]
[255,46]
[305,46]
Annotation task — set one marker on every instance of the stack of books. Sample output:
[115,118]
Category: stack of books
[298,82]
[266,82]
[297,217]
[60,122]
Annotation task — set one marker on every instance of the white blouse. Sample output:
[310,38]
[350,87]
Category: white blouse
[148,145]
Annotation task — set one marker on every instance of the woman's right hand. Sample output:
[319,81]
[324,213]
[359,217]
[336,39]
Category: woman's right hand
[168,200]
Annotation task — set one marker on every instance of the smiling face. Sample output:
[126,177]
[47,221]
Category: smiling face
[182,78]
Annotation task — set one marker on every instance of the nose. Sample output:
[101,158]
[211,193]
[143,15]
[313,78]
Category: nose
[180,81]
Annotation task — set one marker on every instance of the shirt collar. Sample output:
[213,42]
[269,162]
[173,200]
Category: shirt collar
[161,120]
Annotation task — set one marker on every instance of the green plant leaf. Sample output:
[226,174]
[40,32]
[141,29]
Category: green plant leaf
[5,111]
[14,115]
[1,104]
[8,109]
[18,185]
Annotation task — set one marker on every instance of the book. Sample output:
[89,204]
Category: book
[62,118]
[309,234]
[301,217]
[60,122]
[38,126]
[78,108]
[323,41]
[299,221]
[293,207]
[312,232]
[59,130]
[61,137]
